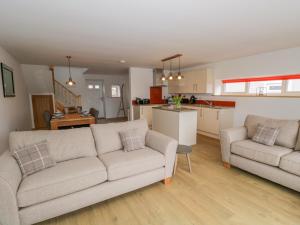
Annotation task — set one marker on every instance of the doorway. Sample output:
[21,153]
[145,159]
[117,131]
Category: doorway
[96,96]
[40,104]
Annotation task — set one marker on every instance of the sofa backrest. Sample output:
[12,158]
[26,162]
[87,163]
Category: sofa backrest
[288,133]
[107,136]
[63,144]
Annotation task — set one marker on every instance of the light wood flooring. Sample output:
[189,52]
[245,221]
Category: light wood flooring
[211,194]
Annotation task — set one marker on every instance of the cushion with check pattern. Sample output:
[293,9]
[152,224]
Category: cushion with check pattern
[132,139]
[33,158]
[265,135]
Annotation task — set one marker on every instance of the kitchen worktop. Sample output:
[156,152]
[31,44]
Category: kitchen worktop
[173,109]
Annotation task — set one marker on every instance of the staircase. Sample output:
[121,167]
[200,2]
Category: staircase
[64,98]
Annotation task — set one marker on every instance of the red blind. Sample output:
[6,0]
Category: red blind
[252,79]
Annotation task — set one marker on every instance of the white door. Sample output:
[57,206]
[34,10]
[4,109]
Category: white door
[210,121]
[95,96]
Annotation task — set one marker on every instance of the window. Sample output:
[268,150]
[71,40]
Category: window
[238,87]
[90,86]
[272,85]
[97,86]
[265,87]
[293,85]
[115,91]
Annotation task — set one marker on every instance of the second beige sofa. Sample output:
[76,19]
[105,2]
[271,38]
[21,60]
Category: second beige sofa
[279,163]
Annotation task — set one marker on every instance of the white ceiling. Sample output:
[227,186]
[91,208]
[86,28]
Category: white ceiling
[98,33]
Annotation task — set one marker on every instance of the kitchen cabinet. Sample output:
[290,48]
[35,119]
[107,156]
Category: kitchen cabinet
[143,112]
[211,120]
[195,81]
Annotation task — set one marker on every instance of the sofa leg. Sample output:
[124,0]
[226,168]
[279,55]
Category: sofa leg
[226,165]
[167,181]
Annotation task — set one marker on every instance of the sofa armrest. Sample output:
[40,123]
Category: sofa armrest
[164,144]
[10,179]
[227,137]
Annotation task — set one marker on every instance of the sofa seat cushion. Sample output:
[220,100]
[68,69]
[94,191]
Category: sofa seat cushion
[291,163]
[65,178]
[121,164]
[261,153]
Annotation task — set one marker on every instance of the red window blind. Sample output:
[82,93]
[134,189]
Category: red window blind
[252,79]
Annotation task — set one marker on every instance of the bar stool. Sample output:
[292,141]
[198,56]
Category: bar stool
[183,149]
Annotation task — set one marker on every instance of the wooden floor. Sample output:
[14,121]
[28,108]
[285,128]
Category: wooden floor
[212,194]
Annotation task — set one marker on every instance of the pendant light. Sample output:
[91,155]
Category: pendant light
[163,76]
[70,82]
[179,76]
[170,77]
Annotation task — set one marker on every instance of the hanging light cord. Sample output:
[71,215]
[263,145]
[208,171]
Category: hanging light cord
[69,66]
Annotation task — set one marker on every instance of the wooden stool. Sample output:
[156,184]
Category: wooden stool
[183,149]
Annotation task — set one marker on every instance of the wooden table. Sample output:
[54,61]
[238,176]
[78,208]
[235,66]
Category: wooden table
[71,120]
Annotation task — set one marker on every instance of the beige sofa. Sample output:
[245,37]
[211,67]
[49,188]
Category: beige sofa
[91,167]
[279,163]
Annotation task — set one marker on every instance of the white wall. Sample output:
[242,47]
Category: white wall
[285,61]
[38,78]
[140,81]
[14,111]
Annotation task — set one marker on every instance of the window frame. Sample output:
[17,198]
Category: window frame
[119,87]
[284,88]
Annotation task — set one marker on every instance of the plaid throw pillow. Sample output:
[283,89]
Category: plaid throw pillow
[33,158]
[132,140]
[265,135]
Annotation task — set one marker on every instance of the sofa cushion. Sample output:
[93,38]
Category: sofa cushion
[288,129]
[65,178]
[62,144]
[132,140]
[265,135]
[121,164]
[261,153]
[291,163]
[107,136]
[33,158]
[297,147]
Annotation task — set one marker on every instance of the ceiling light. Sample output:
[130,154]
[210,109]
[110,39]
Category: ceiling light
[122,61]
[170,77]
[163,76]
[70,82]
[179,76]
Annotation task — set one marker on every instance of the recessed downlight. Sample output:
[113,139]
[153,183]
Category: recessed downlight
[122,61]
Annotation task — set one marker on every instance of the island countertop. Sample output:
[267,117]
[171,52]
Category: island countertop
[168,108]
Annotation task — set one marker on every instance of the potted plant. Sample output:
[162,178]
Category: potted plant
[177,101]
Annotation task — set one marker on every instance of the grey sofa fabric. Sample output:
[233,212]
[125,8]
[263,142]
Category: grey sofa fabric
[272,173]
[65,178]
[291,163]
[107,137]
[79,179]
[278,163]
[121,164]
[87,197]
[10,178]
[228,136]
[62,144]
[288,131]
[249,149]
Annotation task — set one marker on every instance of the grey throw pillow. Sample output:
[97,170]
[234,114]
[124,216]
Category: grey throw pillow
[265,135]
[33,158]
[132,140]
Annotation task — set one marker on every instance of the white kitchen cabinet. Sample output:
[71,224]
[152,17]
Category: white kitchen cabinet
[143,112]
[195,81]
[211,120]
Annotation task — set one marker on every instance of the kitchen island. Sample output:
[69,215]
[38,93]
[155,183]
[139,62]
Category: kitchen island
[178,123]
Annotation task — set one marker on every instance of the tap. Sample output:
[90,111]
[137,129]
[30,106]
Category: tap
[210,103]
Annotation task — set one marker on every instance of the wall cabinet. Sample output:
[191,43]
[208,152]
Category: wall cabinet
[211,120]
[195,81]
